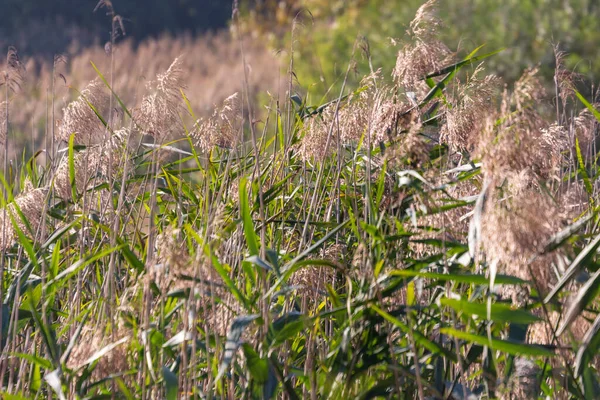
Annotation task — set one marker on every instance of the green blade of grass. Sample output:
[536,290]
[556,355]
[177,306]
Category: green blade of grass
[501,313]
[509,347]
[419,337]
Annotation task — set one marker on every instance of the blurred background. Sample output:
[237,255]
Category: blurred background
[323,33]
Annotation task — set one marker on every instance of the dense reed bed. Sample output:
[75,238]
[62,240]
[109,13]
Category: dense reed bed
[432,235]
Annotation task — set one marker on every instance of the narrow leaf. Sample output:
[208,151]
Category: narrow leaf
[506,346]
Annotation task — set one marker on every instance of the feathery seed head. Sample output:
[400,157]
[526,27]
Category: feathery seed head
[159,112]
[14,71]
[467,116]
[426,55]
[222,129]
[30,202]
[315,135]
[80,119]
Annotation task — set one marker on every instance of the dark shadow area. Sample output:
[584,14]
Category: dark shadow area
[48,27]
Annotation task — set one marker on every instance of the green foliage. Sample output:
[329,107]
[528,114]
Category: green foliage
[527,29]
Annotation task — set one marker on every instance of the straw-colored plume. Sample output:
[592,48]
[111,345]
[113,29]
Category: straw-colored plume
[466,117]
[426,54]
[92,166]
[159,112]
[28,206]
[79,117]
[222,129]
[14,71]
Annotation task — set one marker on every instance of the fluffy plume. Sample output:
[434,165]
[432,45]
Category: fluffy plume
[315,134]
[515,225]
[467,116]
[93,340]
[90,163]
[14,71]
[30,203]
[159,112]
[426,54]
[80,119]
[222,129]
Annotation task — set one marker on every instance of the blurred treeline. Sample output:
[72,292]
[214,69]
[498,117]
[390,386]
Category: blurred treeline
[326,32]
[47,27]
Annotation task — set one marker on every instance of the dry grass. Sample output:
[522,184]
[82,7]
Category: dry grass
[207,65]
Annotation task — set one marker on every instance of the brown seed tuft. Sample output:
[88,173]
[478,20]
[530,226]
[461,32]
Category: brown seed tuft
[80,119]
[30,204]
[159,112]
[426,54]
[474,102]
[14,71]
[222,129]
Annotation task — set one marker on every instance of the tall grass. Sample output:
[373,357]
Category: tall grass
[435,237]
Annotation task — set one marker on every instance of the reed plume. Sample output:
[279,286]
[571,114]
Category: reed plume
[465,117]
[222,128]
[158,114]
[80,116]
[426,54]
[27,211]
[14,71]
